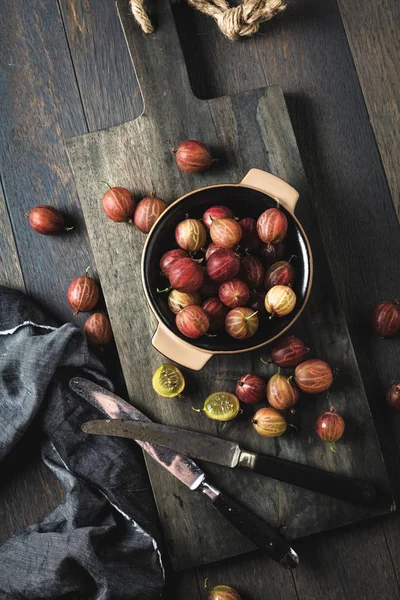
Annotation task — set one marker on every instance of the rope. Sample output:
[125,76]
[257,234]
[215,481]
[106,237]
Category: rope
[141,16]
[234,22]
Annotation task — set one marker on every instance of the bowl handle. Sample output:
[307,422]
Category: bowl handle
[179,351]
[273,186]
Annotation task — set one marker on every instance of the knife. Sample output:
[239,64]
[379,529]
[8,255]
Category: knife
[229,454]
[189,473]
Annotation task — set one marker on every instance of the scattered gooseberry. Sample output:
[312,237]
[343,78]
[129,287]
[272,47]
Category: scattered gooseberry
[268,422]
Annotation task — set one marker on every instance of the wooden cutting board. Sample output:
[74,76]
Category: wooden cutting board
[249,130]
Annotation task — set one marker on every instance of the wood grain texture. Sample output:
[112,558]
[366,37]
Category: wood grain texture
[216,67]
[21,477]
[305,51]
[352,563]
[373,33]
[350,194]
[40,105]
[10,269]
[255,577]
[109,91]
[29,490]
[253,129]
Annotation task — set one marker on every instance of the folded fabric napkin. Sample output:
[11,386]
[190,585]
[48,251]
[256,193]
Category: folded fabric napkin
[102,544]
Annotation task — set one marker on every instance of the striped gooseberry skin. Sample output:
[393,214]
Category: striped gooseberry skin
[223,592]
[216,312]
[190,235]
[179,300]
[170,257]
[83,294]
[46,220]
[216,212]
[226,233]
[385,319]
[252,271]
[250,239]
[280,273]
[289,351]
[280,300]
[313,376]
[234,293]
[186,275]
[119,204]
[223,265]
[330,426]
[147,212]
[241,323]
[272,226]
[193,156]
[251,388]
[211,249]
[192,321]
[268,422]
[98,329]
[281,392]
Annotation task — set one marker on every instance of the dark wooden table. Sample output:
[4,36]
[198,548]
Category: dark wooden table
[65,70]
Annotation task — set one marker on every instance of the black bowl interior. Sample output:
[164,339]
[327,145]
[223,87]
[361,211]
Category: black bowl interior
[245,202]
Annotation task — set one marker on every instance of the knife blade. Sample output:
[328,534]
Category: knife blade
[189,473]
[230,454]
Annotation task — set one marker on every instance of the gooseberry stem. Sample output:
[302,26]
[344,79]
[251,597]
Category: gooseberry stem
[265,361]
[252,315]
[87,271]
[197,409]
[106,182]
[163,291]
[68,228]
[291,258]
[331,446]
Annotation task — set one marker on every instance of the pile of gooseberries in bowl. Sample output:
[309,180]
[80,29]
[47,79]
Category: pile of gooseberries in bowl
[227,268]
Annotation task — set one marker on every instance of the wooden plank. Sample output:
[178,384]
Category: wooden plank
[183,586]
[232,66]
[21,477]
[40,105]
[352,563]
[351,197]
[29,491]
[136,146]
[10,269]
[108,87]
[373,33]
[391,528]
[216,66]
[254,576]
[232,75]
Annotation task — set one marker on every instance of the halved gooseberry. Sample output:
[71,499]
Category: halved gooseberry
[168,381]
[221,406]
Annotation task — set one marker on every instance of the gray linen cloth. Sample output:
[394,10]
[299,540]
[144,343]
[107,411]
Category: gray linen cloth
[103,543]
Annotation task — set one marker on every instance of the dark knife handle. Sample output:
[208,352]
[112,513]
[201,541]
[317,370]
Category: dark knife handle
[256,530]
[324,482]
